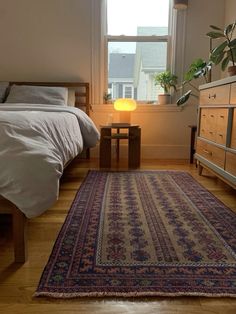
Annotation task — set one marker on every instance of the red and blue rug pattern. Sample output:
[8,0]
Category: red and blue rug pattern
[143,233]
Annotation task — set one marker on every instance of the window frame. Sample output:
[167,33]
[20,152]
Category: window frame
[99,47]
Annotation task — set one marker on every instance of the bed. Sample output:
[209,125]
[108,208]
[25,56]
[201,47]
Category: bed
[35,151]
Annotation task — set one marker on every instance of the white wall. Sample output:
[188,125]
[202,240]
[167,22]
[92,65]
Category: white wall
[46,40]
[230,11]
[200,15]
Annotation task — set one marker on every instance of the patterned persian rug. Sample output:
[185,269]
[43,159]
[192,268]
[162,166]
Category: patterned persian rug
[143,233]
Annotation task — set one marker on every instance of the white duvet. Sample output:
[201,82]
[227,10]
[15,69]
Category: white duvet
[36,141]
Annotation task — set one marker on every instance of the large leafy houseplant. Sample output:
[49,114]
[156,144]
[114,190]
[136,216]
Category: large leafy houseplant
[198,69]
[226,50]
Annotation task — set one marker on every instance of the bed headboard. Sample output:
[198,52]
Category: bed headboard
[81,91]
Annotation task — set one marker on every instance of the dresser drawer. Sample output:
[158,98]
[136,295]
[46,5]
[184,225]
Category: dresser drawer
[221,125]
[230,163]
[233,133]
[213,124]
[215,96]
[233,94]
[212,153]
[208,123]
[204,123]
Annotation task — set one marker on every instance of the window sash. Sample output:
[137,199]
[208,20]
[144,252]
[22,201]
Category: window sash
[123,38]
[145,39]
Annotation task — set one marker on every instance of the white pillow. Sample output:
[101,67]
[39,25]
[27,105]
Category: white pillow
[71,97]
[38,95]
[3,89]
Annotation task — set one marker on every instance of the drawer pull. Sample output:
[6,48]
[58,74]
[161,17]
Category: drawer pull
[207,152]
[212,96]
[222,117]
[212,116]
[220,135]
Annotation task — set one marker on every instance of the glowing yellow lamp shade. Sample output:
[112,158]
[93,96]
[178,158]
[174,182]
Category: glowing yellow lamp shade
[125,104]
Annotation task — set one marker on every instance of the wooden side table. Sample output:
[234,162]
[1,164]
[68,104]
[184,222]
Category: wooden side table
[134,144]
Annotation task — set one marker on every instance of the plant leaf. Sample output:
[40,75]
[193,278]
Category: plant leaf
[200,73]
[234,54]
[216,59]
[225,62]
[215,35]
[228,29]
[194,67]
[183,98]
[233,50]
[220,48]
[216,28]
[232,44]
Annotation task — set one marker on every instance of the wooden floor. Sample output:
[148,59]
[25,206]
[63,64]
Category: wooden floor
[18,282]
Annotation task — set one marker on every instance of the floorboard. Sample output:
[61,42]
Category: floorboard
[18,282]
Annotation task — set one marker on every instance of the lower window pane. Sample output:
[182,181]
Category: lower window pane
[132,67]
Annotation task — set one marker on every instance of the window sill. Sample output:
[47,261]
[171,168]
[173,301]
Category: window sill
[141,108]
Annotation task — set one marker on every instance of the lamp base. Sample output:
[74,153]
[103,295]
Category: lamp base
[120,124]
[125,117]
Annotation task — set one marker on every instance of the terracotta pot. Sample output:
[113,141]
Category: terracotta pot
[164,99]
[232,70]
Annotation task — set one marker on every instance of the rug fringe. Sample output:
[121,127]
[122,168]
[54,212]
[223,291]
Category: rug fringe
[130,294]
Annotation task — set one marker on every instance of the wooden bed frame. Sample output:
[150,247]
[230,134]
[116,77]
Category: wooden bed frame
[19,220]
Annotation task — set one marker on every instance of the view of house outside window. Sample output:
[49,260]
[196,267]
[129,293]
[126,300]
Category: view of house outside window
[137,47]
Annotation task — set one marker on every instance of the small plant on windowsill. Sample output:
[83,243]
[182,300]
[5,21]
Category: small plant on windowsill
[107,98]
[167,80]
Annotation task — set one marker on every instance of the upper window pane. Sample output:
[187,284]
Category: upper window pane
[132,67]
[125,17]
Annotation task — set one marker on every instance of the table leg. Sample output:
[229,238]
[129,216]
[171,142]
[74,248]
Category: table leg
[134,147]
[117,147]
[105,148]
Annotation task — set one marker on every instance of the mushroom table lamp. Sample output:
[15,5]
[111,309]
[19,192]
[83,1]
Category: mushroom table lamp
[125,106]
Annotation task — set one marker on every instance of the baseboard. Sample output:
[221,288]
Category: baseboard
[151,151]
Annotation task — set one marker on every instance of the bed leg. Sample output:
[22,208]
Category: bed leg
[19,222]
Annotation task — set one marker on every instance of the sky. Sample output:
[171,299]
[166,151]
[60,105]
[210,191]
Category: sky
[125,15]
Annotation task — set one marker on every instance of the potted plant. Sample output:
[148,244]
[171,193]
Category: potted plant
[197,69]
[106,97]
[226,50]
[166,80]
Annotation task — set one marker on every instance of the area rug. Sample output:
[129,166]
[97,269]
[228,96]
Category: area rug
[143,233]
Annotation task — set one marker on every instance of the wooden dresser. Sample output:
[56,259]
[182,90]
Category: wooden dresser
[216,140]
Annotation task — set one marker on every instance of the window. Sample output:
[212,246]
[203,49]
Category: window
[137,47]
[128,91]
